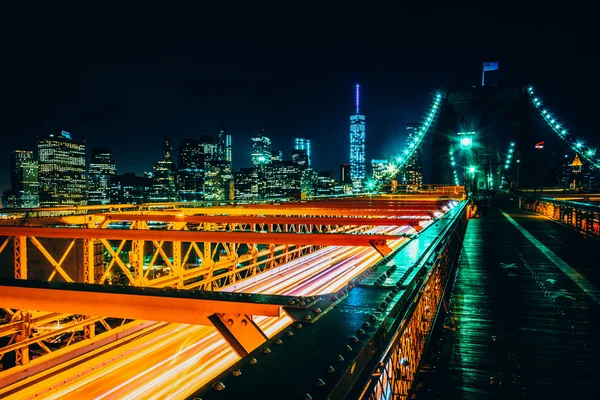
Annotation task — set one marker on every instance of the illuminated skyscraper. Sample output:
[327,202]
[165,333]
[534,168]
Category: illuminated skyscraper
[276,155]
[190,171]
[413,174]
[357,146]
[345,173]
[61,171]
[308,182]
[249,184]
[283,179]
[208,148]
[23,180]
[102,168]
[261,149]
[303,143]
[129,189]
[163,177]
[379,168]
[228,148]
[325,183]
[221,147]
[218,181]
[300,157]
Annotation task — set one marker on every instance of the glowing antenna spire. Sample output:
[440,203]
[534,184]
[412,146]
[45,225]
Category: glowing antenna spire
[357,96]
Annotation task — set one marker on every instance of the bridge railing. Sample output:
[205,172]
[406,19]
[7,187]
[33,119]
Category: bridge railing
[395,375]
[579,215]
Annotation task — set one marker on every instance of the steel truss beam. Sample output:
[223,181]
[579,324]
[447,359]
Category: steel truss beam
[188,307]
[325,239]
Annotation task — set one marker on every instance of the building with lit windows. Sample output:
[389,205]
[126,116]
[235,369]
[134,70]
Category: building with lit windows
[228,155]
[190,171]
[218,181]
[412,173]
[379,170]
[102,168]
[163,177]
[325,183]
[61,171]
[129,189]
[300,157]
[221,145]
[308,182]
[283,179]
[249,184]
[276,155]
[304,143]
[575,175]
[345,173]
[357,146]
[261,149]
[24,185]
[208,148]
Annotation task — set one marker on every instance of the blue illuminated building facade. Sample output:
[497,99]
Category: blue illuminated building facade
[303,143]
[357,146]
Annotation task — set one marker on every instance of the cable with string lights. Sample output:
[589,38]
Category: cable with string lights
[577,145]
[410,149]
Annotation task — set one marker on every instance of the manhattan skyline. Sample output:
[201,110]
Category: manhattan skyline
[124,81]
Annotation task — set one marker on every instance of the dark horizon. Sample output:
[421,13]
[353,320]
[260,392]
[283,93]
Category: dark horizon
[124,79]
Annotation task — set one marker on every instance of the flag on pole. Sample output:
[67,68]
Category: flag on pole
[490,66]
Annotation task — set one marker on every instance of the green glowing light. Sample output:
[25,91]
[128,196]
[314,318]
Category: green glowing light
[466,142]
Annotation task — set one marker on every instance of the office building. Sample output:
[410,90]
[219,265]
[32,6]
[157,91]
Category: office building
[61,171]
[261,149]
[129,189]
[208,148]
[325,183]
[412,173]
[190,171]
[102,168]
[345,174]
[249,184]
[283,180]
[221,145]
[24,185]
[300,158]
[304,143]
[218,181]
[228,156]
[163,177]
[575,175]
[379,170]
[308,182]
[276,155]
[357,146]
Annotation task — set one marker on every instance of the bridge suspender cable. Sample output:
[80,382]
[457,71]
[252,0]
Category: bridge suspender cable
[587,152]
[453,165]
[409,150]
[504,170]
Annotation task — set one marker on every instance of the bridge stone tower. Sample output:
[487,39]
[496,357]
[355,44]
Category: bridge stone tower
[496,116]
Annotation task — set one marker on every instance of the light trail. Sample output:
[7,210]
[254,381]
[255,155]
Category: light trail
[188,356]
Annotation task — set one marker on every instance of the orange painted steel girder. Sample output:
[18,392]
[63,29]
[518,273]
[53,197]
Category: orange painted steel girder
[326,239]
[130,306]
[242,219]
[282,210]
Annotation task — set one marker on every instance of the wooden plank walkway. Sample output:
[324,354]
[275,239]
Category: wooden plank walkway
[517,325]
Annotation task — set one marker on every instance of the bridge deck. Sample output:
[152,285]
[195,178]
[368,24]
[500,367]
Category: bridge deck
[517,324]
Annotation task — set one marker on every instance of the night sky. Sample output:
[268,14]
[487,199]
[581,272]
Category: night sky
[124,77]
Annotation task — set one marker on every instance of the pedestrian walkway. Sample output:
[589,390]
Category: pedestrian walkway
[524,316]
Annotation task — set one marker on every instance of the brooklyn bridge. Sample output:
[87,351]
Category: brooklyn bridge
[482,283]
